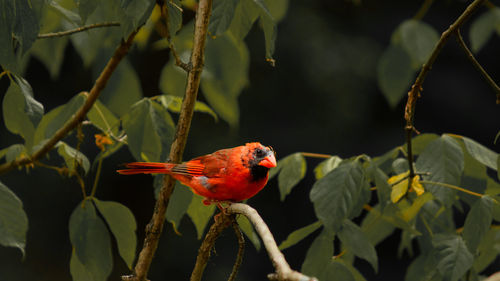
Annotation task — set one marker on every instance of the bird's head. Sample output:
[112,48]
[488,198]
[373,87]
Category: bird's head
[260,155]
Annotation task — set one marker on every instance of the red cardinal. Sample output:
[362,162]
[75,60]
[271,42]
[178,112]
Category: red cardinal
[232,174]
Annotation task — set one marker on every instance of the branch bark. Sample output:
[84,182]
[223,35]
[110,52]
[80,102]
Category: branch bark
[283,270]
[100,83]
[416,88]
[76,30]
[155,227]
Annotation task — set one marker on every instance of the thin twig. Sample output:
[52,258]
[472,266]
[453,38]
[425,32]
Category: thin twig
[423,9]
[283,270]
[478,66]
[78,117]
[241,249]
[165,32]
[453,187]
[222,221]
[416,88]
[76,30]
[315,155]
[155,227]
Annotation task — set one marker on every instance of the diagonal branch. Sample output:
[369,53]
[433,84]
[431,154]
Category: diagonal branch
[416,88]
[478,66]
[155,226]
[100,83]
[76,30]
[283,270]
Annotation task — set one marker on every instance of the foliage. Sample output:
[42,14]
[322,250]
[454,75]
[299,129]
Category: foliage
[453,172]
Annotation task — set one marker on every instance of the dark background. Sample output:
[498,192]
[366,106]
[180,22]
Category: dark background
[322,96]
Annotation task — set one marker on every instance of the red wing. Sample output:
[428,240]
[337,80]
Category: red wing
[211,165]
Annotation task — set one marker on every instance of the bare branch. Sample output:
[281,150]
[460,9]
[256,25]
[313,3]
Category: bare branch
[241,250]
[76,30]
[283,270]
[155,227]
[416,88]
[478,66]
[222,221]
[100,83]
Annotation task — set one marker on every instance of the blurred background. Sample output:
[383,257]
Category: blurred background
[321,97]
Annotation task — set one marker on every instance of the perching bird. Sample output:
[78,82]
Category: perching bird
[232,174]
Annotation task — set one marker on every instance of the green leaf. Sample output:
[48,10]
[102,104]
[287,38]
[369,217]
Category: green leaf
[122,90]
[410,212]
[453,258]
[481,153]
[488,249]
[319,255]
[173,79]
[174,16]
[122,224]
[222,15]
[77,269]
[225,75]
[200,214]
[483,27]
[51,53]
[444,160]
[174,103]
[394,74]
[299,234]
[13,220]
[337,194]
[270,29]
[277,8]
[293,169]
[72,156]
[136,11]
[478,222]
[66,13]
[178,206]
[91,243]
[21,112]
[103,119]
[8,60]
[355,241]
[420,142]
[25,27]
[245,15]
[326,166]
[86,8]
[13,152]
[57,117]
[417,38]
[149,128]
[383,188]
[423,268]
[248,230]
[376,227]
[400,166]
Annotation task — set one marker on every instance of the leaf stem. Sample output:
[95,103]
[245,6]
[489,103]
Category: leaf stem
[453,187]
[78,117]
[96,179]
[76,30]
[423,9]
[477,65]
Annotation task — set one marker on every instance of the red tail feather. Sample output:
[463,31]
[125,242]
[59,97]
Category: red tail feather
[146,168]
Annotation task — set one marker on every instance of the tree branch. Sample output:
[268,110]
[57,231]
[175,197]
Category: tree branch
[222,221]
[283,270]
[155,227]
[100,83]
[76,30]
[478,66]
[416,88]
[241,250]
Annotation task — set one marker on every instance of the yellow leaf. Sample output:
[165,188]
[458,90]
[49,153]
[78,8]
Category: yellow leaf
[400,186]
[410,212]
[417,186]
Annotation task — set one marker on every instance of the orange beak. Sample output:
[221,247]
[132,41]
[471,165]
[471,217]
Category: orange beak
[269,161]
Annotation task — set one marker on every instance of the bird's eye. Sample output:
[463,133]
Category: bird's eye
[259,152]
